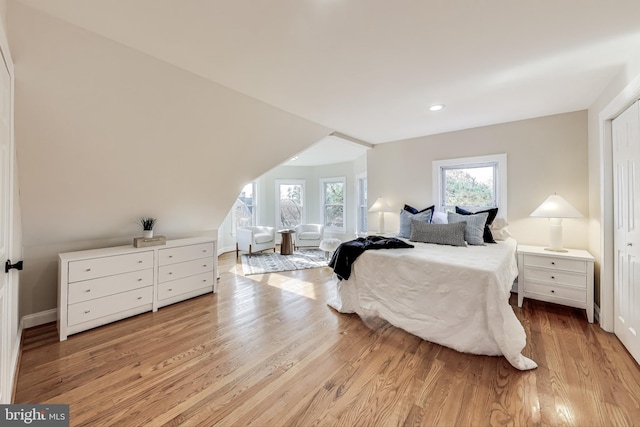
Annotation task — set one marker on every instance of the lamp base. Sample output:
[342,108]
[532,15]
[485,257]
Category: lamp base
[555,250]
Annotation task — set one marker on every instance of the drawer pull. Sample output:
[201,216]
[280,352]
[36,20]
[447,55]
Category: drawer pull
[553,291]
[170,273]
[88,290]
[553,263]
[139,262]
[88,269]
[170,256]
[629,244]
[170,289]
[553,277]
[204,280]
[87,311]
[140,280]
[139,297]
[204,265]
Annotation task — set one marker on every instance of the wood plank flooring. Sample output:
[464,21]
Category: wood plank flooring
[266,350]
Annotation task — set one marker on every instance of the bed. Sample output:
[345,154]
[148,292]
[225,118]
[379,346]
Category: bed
[457,297]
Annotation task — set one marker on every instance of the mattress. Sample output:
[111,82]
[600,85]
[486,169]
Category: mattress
[457,297]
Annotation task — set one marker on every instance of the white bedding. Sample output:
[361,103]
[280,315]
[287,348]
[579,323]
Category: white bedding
[454,296]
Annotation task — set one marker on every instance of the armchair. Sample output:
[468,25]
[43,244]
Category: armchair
[255,239]
[309,235]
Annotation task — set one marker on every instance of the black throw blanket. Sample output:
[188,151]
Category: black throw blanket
[348,252]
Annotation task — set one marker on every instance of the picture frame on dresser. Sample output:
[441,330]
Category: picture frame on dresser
[557,277]
[100,286]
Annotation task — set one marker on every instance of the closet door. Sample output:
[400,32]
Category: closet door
[626,183]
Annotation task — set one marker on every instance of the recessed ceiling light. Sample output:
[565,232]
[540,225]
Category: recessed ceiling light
[436,107]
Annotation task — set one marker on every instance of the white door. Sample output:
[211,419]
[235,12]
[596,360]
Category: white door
[626,187]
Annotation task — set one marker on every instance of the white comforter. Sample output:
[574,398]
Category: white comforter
[454,296]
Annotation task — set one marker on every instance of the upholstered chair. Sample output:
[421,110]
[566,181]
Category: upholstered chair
[255,239]
[309,235]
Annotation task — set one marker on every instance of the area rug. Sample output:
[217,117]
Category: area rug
[272,262]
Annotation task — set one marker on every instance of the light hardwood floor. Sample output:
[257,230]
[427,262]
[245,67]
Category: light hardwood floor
[266,350]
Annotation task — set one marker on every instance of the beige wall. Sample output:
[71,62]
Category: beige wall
[105,134]
[544,155]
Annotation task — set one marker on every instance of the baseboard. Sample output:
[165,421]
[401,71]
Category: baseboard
[37,319]
[15,363]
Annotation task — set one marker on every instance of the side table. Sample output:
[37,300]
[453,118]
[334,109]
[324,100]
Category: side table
[286,245]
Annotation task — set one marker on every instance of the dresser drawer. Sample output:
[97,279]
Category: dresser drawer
[184,269]
[185,253]
[549,292]
[556,263]
[108,266]
[110,285]
[555,276]
[181,286]
[100,307]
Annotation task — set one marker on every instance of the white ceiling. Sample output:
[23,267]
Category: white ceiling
[371,68]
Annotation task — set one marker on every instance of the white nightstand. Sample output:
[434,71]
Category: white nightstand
[559,277]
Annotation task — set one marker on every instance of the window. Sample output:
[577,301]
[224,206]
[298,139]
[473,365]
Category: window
[332,191]
[362,202]
[244,209]
[472,183]
[289,203]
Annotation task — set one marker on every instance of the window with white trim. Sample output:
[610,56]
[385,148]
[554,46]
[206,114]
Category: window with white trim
[244,211]
[362,202]
[333,203]
[473,183]
[289,203]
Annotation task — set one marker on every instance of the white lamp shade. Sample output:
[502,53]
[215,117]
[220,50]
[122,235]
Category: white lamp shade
[380,206]
[556,207]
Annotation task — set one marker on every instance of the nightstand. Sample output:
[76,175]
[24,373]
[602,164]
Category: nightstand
[559,277]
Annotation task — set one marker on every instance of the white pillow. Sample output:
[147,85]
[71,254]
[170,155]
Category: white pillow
[439,218]
[499,229]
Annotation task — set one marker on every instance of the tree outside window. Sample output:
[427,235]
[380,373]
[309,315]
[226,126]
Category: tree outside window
[290,203]
[333,203]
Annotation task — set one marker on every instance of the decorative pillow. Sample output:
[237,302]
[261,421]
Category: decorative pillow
[439,218]
[441,234]
[406,217]
[499,229]
[413,210]
[475,226]
[487,235]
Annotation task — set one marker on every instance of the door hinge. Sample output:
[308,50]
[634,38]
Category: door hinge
[8,266]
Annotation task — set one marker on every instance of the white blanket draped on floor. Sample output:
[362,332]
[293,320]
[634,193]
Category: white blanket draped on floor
[454,296]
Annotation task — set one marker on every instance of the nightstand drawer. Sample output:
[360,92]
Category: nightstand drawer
[574,265]
[555,276]
[551,292]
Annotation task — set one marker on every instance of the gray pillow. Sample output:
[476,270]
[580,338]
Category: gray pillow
[441,234]
[474,231]
[405,221]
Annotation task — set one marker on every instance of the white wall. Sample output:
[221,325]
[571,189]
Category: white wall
[311,175]
[544,155]
[106,134]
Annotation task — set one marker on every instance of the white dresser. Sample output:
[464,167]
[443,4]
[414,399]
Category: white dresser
[100,286]
[558,277]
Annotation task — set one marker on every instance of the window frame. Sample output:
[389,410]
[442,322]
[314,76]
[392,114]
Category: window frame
[278,183]
[254,212]
[498,161]
[361,203]
[323,204]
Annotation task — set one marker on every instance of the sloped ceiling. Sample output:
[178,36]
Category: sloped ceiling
[371,68]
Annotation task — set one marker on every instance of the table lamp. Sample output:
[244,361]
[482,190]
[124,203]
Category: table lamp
[381,207]
[555,208]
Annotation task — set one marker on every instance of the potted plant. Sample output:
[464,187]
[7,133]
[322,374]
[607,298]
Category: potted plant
[147,226]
